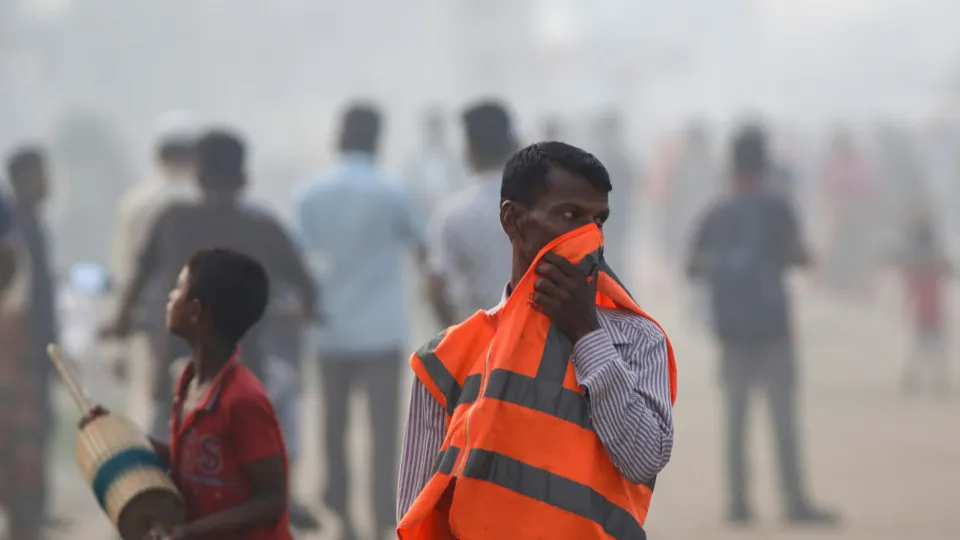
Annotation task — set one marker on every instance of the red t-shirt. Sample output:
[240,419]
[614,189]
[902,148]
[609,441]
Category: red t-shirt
[232,425]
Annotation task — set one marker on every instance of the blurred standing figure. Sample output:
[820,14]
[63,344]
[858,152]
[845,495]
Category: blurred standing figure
[355,222]
[21,423]
[743,248]
[850,202]
[925,268]
[469,255]
[28,176]
[435,173]
[618,238]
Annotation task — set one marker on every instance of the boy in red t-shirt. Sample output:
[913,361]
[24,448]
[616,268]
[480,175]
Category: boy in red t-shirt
[226,454]
[925,270]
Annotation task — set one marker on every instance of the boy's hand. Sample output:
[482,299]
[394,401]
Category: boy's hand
[96,412]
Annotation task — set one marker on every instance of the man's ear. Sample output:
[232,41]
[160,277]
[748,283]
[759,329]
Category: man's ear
[510,218]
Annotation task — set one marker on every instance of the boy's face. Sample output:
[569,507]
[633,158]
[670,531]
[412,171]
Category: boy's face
[183,313]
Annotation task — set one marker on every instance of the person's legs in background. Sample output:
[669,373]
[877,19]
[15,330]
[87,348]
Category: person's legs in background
[337,376]
[21,461]
[736,378]
[780,375]
[381,375]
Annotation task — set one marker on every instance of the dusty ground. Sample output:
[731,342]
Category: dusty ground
[892,466]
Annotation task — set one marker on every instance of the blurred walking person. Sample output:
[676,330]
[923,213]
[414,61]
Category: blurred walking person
[469,255]
[27,171]
[743,248]
[137,210]
[219,219]
[356,222]
[22,429]
[925,270]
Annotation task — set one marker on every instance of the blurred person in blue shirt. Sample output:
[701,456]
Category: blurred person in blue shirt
[356,223]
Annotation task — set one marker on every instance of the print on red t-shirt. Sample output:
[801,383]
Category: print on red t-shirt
[234,424]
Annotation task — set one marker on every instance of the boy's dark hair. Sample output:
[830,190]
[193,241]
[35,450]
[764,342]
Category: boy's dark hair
[23,162]
[220,160]
[360,129]
[525,175]
[489,131]
[176,151]
[750,151]
[232,286]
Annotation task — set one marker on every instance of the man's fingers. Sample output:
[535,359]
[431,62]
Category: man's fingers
[549,305]
[548,288]
[552,272]
[565,266]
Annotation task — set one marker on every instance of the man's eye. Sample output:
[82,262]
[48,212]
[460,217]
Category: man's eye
[570,214]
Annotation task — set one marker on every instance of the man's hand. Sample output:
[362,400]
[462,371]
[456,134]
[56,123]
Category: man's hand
[566,296]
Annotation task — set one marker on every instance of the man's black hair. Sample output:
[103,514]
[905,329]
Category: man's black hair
[525,175]
[360,129]
[220,161]
[176,151]
[749,150]
[489,131]
[232,287]
[24,161]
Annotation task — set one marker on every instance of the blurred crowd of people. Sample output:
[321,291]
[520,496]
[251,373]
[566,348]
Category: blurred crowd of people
[338,273]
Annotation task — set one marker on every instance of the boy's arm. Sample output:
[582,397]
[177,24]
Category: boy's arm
[256,440]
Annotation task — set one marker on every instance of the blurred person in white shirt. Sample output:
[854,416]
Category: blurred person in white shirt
[469,257]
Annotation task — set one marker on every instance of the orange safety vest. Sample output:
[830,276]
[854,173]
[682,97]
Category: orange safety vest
[521,459]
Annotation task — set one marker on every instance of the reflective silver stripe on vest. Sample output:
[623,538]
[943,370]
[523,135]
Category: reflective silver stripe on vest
[445,381]
[554,490]
[544,396]
[446,460]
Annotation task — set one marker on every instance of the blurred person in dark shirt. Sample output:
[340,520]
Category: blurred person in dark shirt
[925,270]
[27,171]
[221,219]
[743,248]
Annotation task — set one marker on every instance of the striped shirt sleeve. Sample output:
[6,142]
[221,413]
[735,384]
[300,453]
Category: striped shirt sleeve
[625,370]
[426,428]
